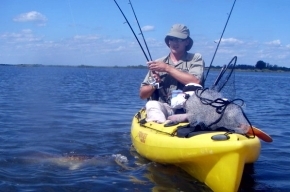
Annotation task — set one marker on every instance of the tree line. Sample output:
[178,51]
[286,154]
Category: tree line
[260,65]
[263,65]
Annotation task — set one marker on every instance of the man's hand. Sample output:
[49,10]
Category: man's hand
[157,78]
[157,66]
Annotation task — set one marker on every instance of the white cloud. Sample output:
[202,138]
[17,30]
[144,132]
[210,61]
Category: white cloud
[247,51]
[230,41]
[32,16]
[274,43]
[120,48]
[90,48]
[25,35]
[86,38]
[113,41]
[147,28]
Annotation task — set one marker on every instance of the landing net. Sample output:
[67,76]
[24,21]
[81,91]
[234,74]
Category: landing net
[216,107]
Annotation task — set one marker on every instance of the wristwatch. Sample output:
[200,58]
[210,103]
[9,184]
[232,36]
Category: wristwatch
[151,81]
[155,85]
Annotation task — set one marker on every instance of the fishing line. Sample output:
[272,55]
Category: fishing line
[140,30]
[76,33]
[132,30]
[151,79]
[219,40]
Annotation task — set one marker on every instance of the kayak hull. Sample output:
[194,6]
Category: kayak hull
[217,163]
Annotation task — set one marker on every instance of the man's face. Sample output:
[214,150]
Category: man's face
[178,45]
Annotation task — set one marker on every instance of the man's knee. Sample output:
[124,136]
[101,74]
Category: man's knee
[153,104]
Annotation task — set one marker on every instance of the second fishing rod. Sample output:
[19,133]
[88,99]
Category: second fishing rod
[147,58]
[152,80]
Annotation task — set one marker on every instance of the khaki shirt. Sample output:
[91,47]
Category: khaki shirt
[190,63]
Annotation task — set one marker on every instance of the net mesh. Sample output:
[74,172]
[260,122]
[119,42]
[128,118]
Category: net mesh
[216,107]
[225,81]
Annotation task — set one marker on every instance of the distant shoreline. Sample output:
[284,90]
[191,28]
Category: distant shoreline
[251,69]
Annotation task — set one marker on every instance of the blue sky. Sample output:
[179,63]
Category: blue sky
[92,32]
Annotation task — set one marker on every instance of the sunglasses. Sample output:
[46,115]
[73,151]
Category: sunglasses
[174,39]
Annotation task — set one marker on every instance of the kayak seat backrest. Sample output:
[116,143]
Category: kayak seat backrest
[187,131]
[200,132]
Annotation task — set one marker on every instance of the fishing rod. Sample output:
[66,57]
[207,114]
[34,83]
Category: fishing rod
[140,30]
[133,31]
[151,79]
[220,40]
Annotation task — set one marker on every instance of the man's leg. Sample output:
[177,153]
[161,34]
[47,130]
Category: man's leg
[157,111]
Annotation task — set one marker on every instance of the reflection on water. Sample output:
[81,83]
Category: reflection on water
[167,177]
[172,178]
[70,161]
[248,181]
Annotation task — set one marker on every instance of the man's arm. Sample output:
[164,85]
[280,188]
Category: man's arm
[182,77]
[146,91]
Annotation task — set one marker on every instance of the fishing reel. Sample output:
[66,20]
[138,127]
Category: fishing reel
[152,81]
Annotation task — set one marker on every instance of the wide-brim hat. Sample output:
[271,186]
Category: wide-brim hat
[179,31]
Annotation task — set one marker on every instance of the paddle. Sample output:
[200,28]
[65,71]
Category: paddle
[261,134]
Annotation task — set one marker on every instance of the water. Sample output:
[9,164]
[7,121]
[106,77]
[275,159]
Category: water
[68,129]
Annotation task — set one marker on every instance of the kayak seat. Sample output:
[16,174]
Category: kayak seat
[187,131]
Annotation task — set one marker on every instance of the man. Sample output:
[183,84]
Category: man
[170,73]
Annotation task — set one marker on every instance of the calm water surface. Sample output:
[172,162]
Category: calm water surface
[68,129]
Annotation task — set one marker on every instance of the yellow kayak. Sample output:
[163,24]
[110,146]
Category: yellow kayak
[216,158]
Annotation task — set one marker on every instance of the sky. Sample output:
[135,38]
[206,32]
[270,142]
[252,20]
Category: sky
[94,32]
